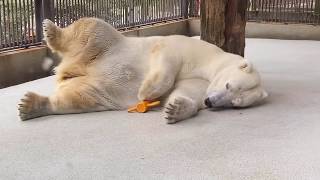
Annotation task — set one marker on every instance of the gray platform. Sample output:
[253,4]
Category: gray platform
[279,140]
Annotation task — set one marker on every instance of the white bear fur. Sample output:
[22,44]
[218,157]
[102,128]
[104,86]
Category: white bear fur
[104,70]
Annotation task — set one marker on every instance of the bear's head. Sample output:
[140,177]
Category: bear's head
[237,86]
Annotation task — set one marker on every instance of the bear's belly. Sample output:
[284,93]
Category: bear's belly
[121,82]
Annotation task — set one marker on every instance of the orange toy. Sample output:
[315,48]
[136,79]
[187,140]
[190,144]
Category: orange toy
[144,106]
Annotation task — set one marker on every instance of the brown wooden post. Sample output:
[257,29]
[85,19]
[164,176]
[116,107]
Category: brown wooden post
[213,21]
[235,21]
[43,10]
[48,10]
[223,23]
[38,18]
[184,8]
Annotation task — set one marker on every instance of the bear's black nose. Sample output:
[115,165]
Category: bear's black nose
[208,103]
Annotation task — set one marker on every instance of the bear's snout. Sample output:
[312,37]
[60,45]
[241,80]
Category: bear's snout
[207,102]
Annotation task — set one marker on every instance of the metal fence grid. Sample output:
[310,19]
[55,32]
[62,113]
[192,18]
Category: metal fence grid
[21,20]
[17,24]
[284,11]
[119,13]
[281,11]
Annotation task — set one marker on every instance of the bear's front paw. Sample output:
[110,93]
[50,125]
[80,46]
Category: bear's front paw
[32,106]
[148,92]
[180,108]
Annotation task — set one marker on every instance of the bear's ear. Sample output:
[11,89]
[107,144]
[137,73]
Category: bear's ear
[246,66]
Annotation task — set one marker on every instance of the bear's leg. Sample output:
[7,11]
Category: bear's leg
[186,100]
[75,97]
[155,85]
[83,41]
[159,80]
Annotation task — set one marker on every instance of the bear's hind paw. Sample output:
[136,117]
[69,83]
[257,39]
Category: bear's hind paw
[33,106]
[49,30]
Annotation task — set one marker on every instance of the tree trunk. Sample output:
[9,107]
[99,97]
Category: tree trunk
[223,23]
[235,27]
[213,21]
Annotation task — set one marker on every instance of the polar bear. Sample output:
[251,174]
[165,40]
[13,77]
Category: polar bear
[103,70]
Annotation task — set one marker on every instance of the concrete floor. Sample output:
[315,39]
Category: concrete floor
[278,140]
